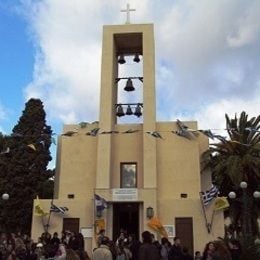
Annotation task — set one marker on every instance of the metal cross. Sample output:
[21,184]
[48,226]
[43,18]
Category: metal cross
[127,10]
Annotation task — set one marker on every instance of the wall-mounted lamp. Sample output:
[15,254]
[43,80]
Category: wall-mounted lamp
[99,213]
[149,212]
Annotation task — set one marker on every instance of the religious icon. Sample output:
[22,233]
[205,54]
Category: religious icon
[128,175]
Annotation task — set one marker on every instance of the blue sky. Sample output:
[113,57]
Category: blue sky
[207,57]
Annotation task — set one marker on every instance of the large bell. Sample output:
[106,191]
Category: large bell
[121,59]
[129,85]
[136,58]
[129,111]
[120,111]
[138,111]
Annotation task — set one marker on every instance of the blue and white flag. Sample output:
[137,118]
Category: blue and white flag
[209,195]
[100,203]
[57,209]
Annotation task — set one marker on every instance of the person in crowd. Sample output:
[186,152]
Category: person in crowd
[235,249]
[156,243]
[186,255]
[176,250]
[55,239]
[147,250]
[221,251]
[208,251]
[197,256]
[165,248]
[134,246]
[103,252]
[72,255]
[100,236]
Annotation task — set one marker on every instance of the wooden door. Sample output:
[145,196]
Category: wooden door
[184,230]
[71,224]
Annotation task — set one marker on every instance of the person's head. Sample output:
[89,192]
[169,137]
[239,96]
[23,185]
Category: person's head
[197,254]
[104,241]
[211,246]
[177,241]
[147,238]
[55,234]
[165,241]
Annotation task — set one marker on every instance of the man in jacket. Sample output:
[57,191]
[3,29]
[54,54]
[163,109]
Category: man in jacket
[147,250]
[103,252]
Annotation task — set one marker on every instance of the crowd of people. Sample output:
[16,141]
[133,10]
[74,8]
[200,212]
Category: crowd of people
[21,247]
[70,246]
[127,247]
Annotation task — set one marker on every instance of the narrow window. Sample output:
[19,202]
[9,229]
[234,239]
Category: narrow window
[128,175]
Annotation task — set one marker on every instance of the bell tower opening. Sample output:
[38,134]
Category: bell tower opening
[129,82]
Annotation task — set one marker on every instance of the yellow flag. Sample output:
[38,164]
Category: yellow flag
[32,146]
[155,224]
[38,210]
[221,203]
[99,224]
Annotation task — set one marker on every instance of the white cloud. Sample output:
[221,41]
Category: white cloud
[207,55]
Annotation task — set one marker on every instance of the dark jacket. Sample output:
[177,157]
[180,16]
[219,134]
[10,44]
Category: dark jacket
[175,253]
[148,252]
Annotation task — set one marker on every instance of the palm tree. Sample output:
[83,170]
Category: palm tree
[236,159]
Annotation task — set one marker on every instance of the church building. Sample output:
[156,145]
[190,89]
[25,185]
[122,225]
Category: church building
[120,175]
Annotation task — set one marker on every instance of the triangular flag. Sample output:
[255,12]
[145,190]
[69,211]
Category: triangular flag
[32,146]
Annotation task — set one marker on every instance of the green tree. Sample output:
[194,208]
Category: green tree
[237,159]
[23,170]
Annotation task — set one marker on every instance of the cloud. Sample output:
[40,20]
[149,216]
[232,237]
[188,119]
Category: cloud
[207,54]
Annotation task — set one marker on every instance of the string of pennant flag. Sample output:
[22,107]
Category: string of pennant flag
[183,131]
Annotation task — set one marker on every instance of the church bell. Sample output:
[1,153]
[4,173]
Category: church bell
[121,59]
[129,85]
[136,58]
[138,111]
[129,111]
[120,111]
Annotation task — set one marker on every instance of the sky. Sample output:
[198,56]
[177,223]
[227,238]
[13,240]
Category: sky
[207,57]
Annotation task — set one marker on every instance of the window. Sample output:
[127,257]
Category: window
[128,175]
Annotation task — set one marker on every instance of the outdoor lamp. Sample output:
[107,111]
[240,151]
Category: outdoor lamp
[149,212]
[5,196]
[99,213]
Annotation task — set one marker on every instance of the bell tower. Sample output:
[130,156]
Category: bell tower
[120,41]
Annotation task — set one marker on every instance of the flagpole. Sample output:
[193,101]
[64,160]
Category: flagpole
[49,218]
[208,225]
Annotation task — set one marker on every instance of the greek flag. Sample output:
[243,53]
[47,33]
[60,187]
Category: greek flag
[57,209]
[209,195]
[100,203]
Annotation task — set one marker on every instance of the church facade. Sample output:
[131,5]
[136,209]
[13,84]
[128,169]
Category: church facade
[140,169]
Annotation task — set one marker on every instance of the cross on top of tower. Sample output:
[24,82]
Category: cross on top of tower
[127,10]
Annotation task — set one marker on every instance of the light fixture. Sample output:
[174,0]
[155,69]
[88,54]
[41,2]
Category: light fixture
[232,195]
[99,213]
[121,59]
[136,58]
[243,185]
[149,212]
[129,111]
[138,111]
[129,85]
[5,196]
[120,111]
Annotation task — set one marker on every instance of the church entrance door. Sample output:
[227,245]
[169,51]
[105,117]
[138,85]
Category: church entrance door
[125,217]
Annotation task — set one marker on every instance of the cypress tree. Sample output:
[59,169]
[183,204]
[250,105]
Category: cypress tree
[23,170]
